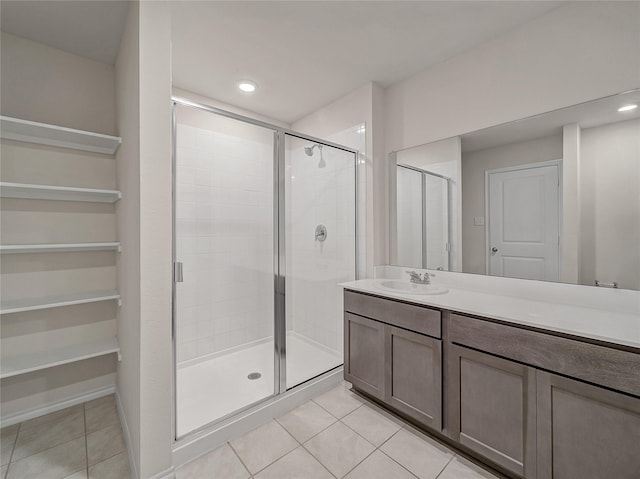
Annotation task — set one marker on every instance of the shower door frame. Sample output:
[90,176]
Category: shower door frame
[423,214]
[279,249]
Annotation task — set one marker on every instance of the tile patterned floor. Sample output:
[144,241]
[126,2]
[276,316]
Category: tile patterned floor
[335,435]
[80,442]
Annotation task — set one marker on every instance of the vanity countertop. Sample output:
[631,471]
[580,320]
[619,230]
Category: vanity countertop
[597,324]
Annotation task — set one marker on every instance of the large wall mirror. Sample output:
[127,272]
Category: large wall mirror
[554,197]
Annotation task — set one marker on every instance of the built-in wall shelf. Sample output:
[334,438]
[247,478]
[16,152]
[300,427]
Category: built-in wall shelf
[44,134]
[21,305]
[26,363]
[58,193]
[58,248]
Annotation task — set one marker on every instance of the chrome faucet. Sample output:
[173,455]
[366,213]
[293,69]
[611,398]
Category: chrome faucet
[417,279]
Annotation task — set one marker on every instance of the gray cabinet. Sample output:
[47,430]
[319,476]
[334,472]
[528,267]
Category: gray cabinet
[414,375]
[579,421]
[492,408]
[393,352]
[364,353]
[585,431]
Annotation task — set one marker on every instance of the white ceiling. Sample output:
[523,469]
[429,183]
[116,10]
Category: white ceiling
[305,54]
[302,54]
[588,115]
[91,29]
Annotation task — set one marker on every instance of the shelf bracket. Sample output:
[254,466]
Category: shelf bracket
[119,355]
[119,249]
[119,300]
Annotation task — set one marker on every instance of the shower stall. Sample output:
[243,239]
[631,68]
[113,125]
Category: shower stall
[264,230]
[423,218]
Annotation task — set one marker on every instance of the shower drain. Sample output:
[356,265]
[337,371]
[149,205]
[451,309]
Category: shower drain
[254,376]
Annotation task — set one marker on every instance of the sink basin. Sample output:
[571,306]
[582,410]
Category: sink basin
[406,287]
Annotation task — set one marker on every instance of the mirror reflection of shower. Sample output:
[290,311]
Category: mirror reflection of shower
[423,226]
[309,152]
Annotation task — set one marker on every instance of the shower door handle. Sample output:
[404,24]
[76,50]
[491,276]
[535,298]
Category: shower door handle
[177,272]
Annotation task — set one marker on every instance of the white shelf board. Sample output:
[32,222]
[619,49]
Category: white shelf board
[20,305]
[58,193]
[26,363]
[58,247]
[44,134]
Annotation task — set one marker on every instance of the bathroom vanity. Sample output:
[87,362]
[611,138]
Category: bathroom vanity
[530,400]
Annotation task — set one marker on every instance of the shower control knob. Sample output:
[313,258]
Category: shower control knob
[321,233]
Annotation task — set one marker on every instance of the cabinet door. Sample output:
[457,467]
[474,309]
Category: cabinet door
[364,354]
[414,375]
[493,408]
[586,431]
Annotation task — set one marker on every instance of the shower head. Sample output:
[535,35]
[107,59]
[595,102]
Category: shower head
[309,152]
[309,149]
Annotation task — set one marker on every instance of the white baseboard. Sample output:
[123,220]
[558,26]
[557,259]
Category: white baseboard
[167,474]
[127,437]
[22,416]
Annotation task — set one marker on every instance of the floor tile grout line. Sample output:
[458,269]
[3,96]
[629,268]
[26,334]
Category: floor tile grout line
[13,448]
[399,464]
[319,432]
[445,467]
[374,445]
[302,444]
[279,457]
[377,448]
[338,418]
[356,433]
[46,449]
[414,430]
[239,459]
[103,460]
[363,459]
[319,461]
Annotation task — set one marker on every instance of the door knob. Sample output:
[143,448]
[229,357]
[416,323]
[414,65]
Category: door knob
[494,250]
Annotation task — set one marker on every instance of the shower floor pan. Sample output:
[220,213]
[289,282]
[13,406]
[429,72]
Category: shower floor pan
[210,389]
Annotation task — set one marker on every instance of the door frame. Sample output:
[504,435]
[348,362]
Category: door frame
[487,212]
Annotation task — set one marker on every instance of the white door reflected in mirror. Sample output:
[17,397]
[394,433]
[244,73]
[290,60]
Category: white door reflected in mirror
[523,214]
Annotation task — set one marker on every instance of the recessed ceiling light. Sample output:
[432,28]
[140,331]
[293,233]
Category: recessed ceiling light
[628,107]
[247,86]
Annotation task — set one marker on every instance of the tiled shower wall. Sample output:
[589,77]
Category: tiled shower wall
[224,222]
[321,196]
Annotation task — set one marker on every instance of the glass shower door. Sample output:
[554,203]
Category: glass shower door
[409,217]
[436,219]
[320,232]
[224,243]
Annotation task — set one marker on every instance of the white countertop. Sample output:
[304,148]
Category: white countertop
[621,328]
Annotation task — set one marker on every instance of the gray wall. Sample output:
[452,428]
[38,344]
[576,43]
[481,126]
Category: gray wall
[474,165]
[610,204]
[44,84]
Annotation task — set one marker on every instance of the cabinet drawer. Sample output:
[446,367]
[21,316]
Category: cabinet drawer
[609,367]
[403,315]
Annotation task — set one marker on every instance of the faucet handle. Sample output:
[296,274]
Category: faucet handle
[414,276]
